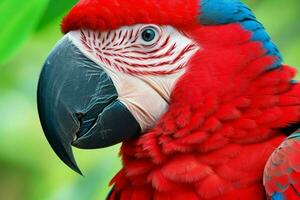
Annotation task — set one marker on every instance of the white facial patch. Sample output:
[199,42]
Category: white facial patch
[143,66]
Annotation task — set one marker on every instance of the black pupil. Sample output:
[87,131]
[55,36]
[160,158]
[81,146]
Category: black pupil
[148,35]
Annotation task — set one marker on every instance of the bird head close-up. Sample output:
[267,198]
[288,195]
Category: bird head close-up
[195,90]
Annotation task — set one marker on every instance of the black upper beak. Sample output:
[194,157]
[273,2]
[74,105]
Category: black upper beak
[78,104]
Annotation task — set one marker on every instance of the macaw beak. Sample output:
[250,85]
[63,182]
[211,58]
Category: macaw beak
[78,104]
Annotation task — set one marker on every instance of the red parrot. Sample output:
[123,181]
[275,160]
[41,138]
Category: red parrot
[195,90]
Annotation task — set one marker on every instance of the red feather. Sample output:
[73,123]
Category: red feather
[108,15]
[225,116]
[222,125]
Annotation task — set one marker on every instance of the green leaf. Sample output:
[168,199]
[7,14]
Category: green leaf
[55,10]
[18,20]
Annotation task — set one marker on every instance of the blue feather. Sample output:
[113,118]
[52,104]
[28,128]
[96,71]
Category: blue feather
[214,12]
[278,196]
[295,135]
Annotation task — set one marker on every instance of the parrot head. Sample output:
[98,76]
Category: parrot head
[113,74]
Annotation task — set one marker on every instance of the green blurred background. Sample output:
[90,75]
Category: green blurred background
[29,170]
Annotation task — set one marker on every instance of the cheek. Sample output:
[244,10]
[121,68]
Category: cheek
[144,79]
[142,99]
[146,97]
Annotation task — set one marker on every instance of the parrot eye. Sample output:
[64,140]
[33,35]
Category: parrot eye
[149,35]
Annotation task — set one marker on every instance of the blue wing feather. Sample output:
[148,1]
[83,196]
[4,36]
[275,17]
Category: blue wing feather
[277,196]
[214,12]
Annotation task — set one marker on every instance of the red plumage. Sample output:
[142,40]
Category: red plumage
[109,15]
[225,115]
[223,124]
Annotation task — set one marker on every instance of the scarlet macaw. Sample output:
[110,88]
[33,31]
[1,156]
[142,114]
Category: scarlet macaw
[195,89]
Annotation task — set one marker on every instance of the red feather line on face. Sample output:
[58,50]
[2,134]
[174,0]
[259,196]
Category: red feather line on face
[133,58]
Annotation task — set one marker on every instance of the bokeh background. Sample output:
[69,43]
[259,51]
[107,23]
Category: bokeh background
[29,169]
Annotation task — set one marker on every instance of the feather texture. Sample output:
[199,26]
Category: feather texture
[215,12]
[226,113]
[282,171]
[223,123]
[108,15]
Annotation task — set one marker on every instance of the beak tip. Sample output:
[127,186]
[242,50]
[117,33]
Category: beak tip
[73,165]
[68,159]
[78,171]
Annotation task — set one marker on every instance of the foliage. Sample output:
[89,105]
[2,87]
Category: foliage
[31,14]
[29,170]
[18,25]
